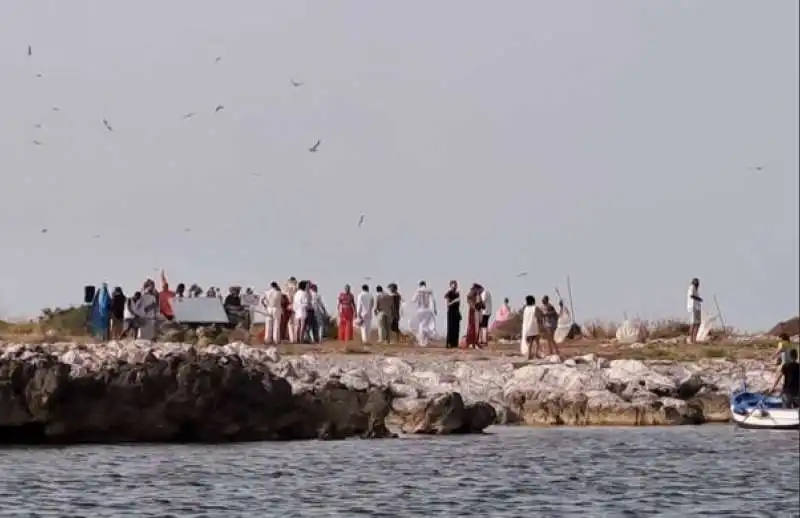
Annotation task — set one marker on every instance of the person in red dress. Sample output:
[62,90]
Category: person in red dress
[473,314]
[347,313]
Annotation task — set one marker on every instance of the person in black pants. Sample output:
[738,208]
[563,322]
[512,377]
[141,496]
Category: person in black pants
[453,300]
[790,374]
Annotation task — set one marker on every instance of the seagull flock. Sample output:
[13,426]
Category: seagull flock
[107,125]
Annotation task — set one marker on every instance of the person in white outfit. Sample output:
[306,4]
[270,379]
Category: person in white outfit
[693,301]
[272,314]
[423,323]
[486,315]
[365,306]
[301,304]
[531,319]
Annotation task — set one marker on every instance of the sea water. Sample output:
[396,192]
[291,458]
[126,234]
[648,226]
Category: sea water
[508,472]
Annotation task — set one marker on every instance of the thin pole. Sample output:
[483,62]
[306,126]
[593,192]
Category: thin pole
[719,312]
[569,294]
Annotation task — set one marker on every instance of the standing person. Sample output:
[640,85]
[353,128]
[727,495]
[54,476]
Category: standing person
[301,305]
[453,300]
[473,318]
[180,291]
[789,372]
[289,312]
[531,318]
[503,313]
[365,306]
[273,311]
[693,302]
[346,309]
[550,318]
[320,314]
[131,318]
[383,311]
[101,313]
[394,316]
[486,314]
[148,309]
[424,320]
[165,296]
[118,302]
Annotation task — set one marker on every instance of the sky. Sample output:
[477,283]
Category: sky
[615,143]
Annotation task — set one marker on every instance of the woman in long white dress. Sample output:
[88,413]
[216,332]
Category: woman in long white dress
[423,321]
[529,337]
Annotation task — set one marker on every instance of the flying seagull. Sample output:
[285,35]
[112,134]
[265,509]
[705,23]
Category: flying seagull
[296,83]
[189,115]
[38,75]
[30,51]
[218,59]
[522,274]
[56,109]
[107,125]
[37,126]
[314,148]
[37,143]
[96,236]
[361,221]
[757,168]
[218,108]
[44,231]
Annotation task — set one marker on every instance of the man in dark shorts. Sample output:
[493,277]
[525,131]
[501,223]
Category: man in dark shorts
[790,374]
[394,316]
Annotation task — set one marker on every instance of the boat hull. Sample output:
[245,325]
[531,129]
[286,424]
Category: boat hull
[757,411]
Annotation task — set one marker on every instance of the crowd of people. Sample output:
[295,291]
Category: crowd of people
[296,313]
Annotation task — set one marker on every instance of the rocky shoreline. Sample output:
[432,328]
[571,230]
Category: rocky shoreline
[144,392]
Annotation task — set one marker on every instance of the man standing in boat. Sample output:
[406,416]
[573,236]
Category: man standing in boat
[790,374]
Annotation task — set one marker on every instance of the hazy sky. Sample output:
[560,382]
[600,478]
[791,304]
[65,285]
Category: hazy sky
[609,141]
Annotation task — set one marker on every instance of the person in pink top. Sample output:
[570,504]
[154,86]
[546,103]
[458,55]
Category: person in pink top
[503,313]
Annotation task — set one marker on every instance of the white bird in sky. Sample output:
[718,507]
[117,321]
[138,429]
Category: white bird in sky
[361,220]
[218,59]
[314,148]
[37,143]
[296,83]
[30,50]
[218,108]
[189,115]
[522,274]
[107,125]
[757,168]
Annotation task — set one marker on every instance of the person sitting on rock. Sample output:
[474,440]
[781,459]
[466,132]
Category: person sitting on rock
[790,374]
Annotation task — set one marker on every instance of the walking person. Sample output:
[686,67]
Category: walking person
[301,305]
[273,312]
[453,300]
[486,314]
[394,316]
[118,302]
[531,320]
[346,309]
[550,318]
[365,306]
[473,318]
[693,302]
[423,323]
[130,317]
[320,314]
[383,311]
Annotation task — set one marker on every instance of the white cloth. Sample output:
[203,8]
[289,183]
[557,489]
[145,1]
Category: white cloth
[692,304]
[530,328]
[486,298]
[365,304]
[147,309]
[128,313]
[423,322]
[272,299]
[301,304]
[272,325]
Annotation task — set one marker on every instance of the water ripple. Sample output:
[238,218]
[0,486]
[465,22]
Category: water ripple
[705,471]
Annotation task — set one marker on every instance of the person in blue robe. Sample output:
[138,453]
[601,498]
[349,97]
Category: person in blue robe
[101,313]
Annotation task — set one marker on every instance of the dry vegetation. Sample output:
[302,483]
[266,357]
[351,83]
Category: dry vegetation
[70,325]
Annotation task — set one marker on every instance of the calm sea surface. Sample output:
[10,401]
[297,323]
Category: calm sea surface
[703,471]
